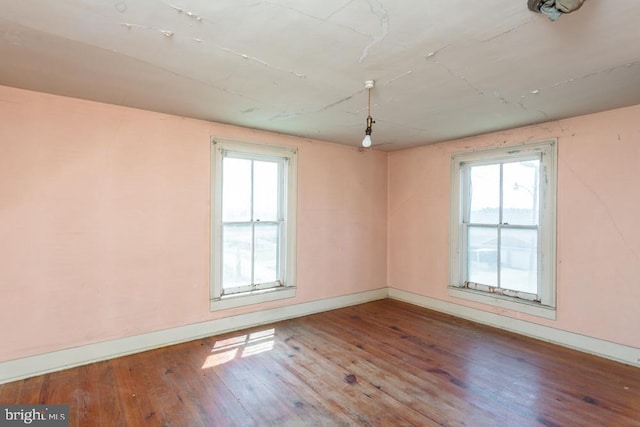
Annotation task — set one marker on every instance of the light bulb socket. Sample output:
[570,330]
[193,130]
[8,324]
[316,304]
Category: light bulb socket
[370,123]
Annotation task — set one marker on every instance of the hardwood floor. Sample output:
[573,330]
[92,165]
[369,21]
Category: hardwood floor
[384,363]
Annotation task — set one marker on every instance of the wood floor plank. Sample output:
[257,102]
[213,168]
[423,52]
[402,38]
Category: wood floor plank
[376,364]
[29,393]
[305,378]
[87,400]
[274,382]
[547,363]
[10,393]
[126,404]
[214,402]
[426,378]
[366,400]
[301,400]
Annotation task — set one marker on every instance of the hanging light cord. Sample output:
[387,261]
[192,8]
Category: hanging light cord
[370,120]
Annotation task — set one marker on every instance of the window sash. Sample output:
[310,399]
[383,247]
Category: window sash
[227,287]
[499,288]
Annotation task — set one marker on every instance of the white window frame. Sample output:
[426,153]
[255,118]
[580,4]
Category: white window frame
[545,303]
[286,286]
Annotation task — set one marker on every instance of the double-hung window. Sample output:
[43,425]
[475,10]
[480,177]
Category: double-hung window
[503,227]
[253,223]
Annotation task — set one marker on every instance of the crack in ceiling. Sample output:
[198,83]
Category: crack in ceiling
[378,10]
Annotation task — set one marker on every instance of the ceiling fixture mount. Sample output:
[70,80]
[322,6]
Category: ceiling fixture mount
[366,142]
[554,8]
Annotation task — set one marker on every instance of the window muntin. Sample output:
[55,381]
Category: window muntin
[253,221]
[503,222]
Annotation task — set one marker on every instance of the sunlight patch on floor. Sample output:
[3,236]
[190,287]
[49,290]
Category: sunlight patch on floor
[240,346]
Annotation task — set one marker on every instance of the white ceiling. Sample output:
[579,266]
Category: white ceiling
[443,69]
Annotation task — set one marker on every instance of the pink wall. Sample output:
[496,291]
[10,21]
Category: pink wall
[598,238]
[104,221]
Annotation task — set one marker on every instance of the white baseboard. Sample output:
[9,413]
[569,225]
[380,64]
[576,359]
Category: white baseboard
[17,369]
[595,346]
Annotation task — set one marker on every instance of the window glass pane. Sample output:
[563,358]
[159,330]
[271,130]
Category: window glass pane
[266,190]
[236,255]
[266,252]
[485,194]
[236,189]
[519,260]
[482,255]
[520,192]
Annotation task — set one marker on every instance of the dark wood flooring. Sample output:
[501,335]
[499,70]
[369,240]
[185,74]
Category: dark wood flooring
[383,363]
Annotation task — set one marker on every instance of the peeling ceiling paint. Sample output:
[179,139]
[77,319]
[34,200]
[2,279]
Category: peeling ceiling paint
[298,67]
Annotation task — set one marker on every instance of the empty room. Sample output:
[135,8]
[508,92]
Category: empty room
[304,213]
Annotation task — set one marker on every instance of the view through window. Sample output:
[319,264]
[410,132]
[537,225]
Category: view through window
[503,223]
[252,222]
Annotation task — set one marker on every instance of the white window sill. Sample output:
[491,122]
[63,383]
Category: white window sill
[505,302]
[249,298]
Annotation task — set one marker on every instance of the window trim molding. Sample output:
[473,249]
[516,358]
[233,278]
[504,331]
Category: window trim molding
[217,300]
[547,291]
